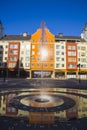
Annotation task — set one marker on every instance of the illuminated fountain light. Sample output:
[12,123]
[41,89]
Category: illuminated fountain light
[44,54]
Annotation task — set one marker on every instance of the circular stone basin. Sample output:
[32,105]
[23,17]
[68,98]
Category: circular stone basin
[41,100]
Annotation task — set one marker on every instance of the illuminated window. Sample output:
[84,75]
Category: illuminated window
[28,47]
[33,46]
[27,64]
[33,52]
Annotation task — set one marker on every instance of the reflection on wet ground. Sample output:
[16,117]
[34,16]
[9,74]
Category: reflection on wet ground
[49,108]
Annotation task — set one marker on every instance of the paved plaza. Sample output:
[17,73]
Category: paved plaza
[44,104]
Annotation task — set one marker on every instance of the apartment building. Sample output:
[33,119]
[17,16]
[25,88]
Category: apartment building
[43,54]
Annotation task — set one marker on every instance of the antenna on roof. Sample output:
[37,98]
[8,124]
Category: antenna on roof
[43,31]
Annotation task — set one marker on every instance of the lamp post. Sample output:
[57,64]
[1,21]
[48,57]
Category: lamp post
[79,73]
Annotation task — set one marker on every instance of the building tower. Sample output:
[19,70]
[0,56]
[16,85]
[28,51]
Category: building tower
[84,33]
[1,30]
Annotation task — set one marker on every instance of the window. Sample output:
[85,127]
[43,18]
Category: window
[5,52]
[62,47]
[71,47]
[1,52]
[58,59]
[33,46]
[1,47]
[72,65]
[71,59]
[57,52]
[51,52]
[83,54]
[51,46]
[57,65]
[33,58]
[32,65]
[62,53]
[22,46]
[5,58]
[45,65]
[12,64]
[62,59]
[51,65]
[27,58]
[83,59]
[57,46]
[62,65]
[83,48]
[14,46]
[21,58]
[33,52]
[21,64]
[28,47]
[78,47]
[78,59]
[51,58]
[0,59]
[38,65]
[83,66]
[71,53]
[38,59]
[26,64]
[22,52]
[6,46]
[13,51]
[38,52]
[39,46]
[13,58]
[27,52]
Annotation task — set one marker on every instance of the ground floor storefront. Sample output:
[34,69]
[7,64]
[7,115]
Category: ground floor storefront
[52,74]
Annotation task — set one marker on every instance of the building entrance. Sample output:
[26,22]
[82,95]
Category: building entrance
[41,74]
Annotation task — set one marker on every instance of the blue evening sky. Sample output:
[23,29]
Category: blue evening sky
[65,16]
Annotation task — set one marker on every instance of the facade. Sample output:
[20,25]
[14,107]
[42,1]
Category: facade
[43,55]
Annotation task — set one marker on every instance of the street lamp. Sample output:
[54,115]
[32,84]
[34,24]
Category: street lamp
[79,72]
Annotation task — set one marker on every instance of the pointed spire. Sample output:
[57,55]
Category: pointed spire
[43,31]
[84,33]
[1,30]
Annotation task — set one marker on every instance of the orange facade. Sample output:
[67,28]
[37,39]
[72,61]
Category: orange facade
[71,56]
[13,55]
[42,50]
